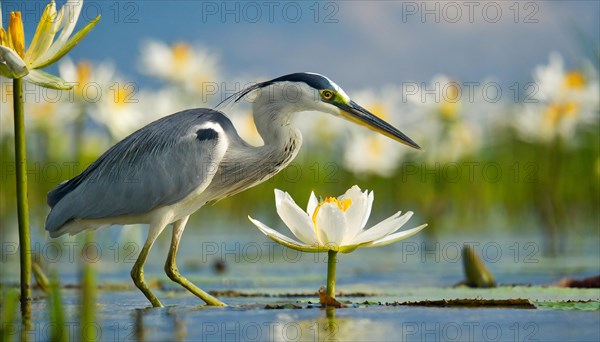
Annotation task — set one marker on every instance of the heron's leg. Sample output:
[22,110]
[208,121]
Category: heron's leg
[173,272]
[137,272]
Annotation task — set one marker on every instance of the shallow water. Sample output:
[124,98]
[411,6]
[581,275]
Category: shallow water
[252,260]
[251,264]
[124,315]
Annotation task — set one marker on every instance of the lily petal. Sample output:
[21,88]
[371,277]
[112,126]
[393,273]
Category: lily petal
[282,239]
[331,226]
[51,58]
[370,199]
[394,237]
[11,64]
[348,248]
[44,33]
[313,202]
[68,16]
[383,228]
[295,218]
[358,213]
[46,80]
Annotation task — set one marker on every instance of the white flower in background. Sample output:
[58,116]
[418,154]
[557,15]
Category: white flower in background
[449,126]
[47,117]
[48,125]
[335,224]
[112,101]
[366,152]
[102,96]
[44,49]
[195,69]
[90,81]
[120,110]
[566,100]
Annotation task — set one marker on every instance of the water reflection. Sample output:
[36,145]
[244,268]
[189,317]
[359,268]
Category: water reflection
[169,323]
[328,327]
[179,324]
[140,331]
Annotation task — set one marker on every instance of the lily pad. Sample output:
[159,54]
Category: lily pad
[283,306]
[589,305]
[518,303]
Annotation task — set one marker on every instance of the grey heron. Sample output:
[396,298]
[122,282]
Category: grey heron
[167,170]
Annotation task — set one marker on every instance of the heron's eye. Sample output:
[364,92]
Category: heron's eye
[327,94]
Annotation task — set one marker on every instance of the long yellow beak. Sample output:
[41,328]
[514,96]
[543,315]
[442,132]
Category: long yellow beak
[357,114]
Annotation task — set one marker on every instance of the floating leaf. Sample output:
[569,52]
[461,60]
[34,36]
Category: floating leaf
[283,306]
[518,303]
[583,305]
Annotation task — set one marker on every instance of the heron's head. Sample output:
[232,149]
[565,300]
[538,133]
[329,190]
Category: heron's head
[306,91]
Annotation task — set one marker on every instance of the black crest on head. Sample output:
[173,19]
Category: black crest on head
[313,80]
[316,81]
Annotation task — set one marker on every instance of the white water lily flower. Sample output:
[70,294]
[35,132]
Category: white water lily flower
[567,101]
[370,153]
[44,50]
[450,124]
[193,67]
[335,224]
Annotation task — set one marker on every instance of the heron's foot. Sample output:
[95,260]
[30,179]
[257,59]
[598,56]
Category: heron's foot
[137,274]
[174,274]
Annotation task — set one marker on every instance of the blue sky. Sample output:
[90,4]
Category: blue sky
[356,43]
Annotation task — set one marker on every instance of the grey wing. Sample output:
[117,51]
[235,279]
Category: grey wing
[155,166]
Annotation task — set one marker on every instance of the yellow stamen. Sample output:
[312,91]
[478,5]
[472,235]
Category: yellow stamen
[574,80]
[181,53]
[122,95]
[16,33]
[4,38]
[449,107]
[558,111]
[379,110]
[84,72]
[84,76]
[375,147]
[448,110]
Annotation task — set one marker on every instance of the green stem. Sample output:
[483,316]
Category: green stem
[88,295]
[331,264]
[22,207]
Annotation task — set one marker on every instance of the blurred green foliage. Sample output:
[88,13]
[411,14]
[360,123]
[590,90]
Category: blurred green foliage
[486,167]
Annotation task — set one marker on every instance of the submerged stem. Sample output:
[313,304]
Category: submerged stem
[22,206]
[331,264]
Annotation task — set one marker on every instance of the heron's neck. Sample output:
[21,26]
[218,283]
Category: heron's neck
[272,120]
